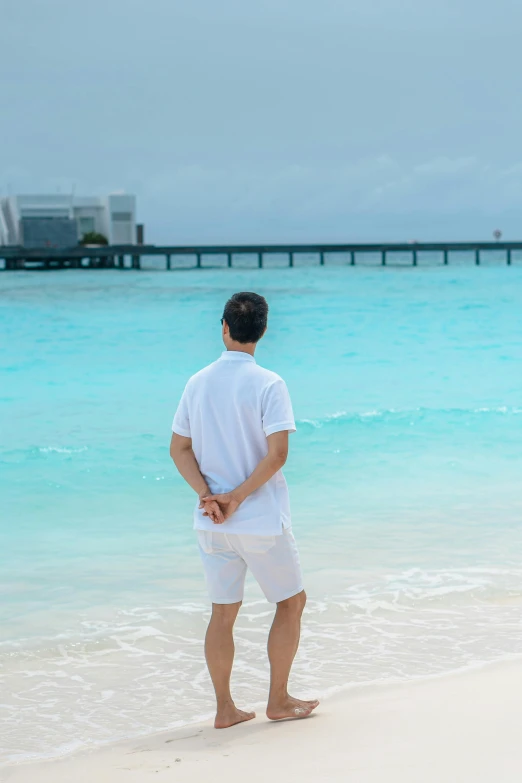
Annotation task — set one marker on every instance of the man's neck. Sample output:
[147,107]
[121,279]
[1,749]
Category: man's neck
[243,347]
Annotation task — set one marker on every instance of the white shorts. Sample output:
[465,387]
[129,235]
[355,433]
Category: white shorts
[273,560]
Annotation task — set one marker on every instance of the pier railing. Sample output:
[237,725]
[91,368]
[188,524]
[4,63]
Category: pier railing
[130,256]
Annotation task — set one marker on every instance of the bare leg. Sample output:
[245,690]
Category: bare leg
[219,652]
[282,647]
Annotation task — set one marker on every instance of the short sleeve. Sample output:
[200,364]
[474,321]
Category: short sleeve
[181,423]
[277,409]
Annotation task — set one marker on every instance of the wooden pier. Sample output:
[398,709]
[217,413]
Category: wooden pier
[203,256]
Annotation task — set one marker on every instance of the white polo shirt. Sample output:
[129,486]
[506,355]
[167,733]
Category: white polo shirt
[228,409]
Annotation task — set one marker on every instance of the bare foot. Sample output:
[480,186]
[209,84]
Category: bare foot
[290,708]
[230,715]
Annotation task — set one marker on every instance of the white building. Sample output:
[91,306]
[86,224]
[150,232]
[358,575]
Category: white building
[62,220]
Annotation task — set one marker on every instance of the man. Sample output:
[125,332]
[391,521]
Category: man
[229,442]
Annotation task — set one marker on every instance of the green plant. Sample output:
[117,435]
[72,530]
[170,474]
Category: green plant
[93,238]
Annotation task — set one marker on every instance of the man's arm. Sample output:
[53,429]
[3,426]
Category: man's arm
[269,465]
[186,463]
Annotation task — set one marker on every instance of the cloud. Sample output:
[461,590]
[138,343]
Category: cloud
[360,185]
[198,203]
[271,203]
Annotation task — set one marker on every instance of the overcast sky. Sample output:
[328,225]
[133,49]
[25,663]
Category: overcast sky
[238,120]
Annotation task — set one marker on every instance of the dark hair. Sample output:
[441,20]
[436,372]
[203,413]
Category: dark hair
[246,315]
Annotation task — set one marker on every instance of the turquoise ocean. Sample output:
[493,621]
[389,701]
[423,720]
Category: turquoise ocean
[404,473]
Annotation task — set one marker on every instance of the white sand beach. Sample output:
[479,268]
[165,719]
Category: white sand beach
[462,728]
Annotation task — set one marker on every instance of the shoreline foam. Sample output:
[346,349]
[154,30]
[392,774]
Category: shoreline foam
[335,692]
[128,684]
[462,728]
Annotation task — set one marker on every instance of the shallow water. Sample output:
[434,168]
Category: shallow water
[404,476]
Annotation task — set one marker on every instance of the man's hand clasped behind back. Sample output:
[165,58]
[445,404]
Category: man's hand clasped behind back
[219,507]
[212,510]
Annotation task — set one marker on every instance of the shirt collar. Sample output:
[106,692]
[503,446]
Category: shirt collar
[237,356]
